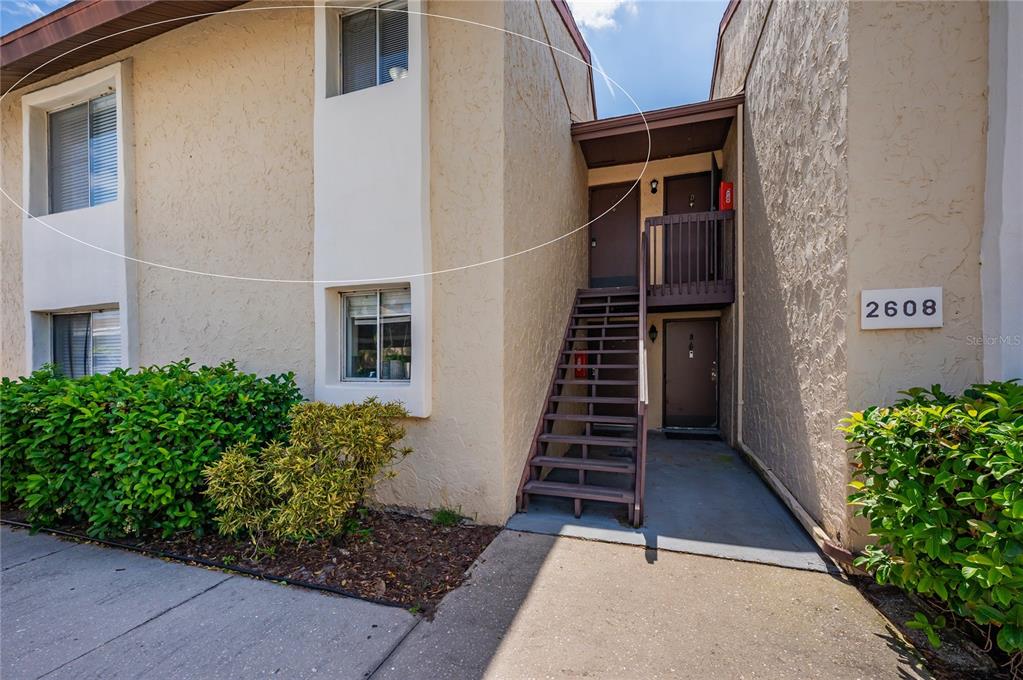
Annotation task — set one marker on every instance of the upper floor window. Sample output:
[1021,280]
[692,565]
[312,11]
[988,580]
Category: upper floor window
[374,46]
[83,154]
[86,343]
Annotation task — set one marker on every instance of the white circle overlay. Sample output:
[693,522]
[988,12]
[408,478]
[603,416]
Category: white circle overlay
[334,282]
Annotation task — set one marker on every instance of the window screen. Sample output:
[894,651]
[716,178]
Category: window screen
[83,154]
[374,46]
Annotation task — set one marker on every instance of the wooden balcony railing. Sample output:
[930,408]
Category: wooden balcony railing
[689,259]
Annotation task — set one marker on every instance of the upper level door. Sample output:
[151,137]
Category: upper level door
[614,237]
[687,193]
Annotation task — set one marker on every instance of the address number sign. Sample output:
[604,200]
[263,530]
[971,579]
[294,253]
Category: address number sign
[900,308]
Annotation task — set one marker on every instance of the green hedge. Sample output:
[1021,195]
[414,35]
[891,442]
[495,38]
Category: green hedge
[941,480]
[124,452]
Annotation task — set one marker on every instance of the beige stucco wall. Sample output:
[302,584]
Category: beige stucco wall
[223,156]
[545,197]
[916,188]
[12,312]
[223,118]
[223,177]
[858,174]
[458,458]
[795,214]
[505,176]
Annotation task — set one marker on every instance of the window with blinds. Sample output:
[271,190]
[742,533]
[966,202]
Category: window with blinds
[83,154]
[377,335]
[87,343]
[374,46]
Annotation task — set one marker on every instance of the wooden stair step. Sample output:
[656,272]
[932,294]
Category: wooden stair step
[600,351]
[596,305]
[612,289]
[570,399]
[588,439]
[590,492]
[601,366]
[589,464]
[600,326]
[632,296]
[595,381]
[607,317]
[592,418]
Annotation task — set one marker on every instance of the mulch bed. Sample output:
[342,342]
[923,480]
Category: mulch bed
[393,558]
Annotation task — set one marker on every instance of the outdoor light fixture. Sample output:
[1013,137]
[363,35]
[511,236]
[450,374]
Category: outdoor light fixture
[653,186]
[653,328]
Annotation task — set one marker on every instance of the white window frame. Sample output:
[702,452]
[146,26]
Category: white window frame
[375,7]
[379,334]
[36,109]
[51,330]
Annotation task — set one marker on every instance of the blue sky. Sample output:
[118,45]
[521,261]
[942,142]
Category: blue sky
[660,51]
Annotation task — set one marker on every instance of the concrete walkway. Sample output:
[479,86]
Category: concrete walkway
[535,606]
[701,498]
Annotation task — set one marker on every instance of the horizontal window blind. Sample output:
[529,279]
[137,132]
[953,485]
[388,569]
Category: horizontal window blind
[374,46]
[71,344]
[106,341]
[103,149]
[393,42]
[83,154]
[69,158]
[87,343]
[358,51]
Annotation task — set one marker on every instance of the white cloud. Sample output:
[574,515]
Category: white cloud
[600,14]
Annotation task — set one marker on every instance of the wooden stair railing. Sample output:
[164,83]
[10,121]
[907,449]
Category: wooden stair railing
[591,390]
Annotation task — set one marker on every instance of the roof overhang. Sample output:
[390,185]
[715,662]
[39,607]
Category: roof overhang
[678,131]
[87,30]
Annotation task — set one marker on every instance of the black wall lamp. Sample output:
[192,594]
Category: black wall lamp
[653,333]
[653,186]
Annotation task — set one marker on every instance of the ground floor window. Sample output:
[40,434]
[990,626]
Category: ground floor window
[377,332]
[86,343]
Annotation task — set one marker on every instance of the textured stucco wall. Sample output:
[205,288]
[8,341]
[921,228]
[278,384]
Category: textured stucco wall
[12,312]
[459,458]
[223,177]
[738,46]
[795,213]
[223,116]
[916,188]
[545,196]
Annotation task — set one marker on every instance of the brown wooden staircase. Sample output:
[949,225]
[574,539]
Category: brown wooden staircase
[590,443]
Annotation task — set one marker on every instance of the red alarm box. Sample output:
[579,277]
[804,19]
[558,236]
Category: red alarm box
[726,196]
[581,371]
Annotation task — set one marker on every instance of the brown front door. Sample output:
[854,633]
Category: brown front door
[690,373]
[614,237]
[687,194]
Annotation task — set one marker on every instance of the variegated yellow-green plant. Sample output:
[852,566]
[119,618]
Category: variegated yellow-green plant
[308,488]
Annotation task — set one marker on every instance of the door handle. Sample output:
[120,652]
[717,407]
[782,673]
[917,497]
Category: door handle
[593,243]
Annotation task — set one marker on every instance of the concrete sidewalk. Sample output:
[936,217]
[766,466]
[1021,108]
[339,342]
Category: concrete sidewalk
[535,606]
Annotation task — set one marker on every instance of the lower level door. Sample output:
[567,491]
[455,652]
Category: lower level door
[691,373]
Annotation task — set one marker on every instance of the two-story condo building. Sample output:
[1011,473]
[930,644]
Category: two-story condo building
[416,201]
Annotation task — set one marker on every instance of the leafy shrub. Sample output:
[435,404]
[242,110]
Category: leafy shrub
[941,480]
[308,488]
[124,452]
